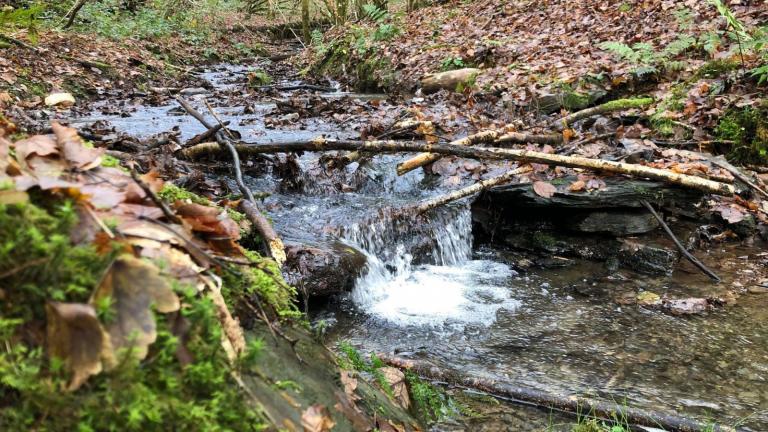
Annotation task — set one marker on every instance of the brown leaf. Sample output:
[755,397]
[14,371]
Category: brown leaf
[133,285]
[396,379]
[209,219]
[577,186]
[75,335]
[730,214]
[316,419]
[350,384]
[544,189]
[73,149]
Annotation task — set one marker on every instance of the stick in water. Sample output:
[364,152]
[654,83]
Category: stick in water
[695,261]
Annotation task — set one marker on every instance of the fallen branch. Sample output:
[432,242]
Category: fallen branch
[501,136]
[616,105]
[261,224]
[312,87]
[695,261]
[739,176]
[431,203]
[576,405]
[205,136]
[322,144]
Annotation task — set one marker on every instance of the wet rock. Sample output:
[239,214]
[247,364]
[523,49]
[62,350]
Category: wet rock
[648,259]
[323,271]
[618,193]
[617,223]
[194,91]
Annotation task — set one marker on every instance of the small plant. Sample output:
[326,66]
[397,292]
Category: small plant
[452,63]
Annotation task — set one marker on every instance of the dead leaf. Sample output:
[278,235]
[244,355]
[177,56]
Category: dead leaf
[133,285]
[316,419]
[544,189]
[350,384]
[577,186]
[396,379]
[209,220]
[75,335]
[730,214]
[73,149]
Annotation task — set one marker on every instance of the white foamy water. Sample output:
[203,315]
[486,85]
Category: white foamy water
[453,290]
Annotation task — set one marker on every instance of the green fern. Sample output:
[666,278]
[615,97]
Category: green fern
[619,49]
[679,45]
[374,13]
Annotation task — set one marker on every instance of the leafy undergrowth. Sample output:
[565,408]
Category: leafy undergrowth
[132,50]
[114,315]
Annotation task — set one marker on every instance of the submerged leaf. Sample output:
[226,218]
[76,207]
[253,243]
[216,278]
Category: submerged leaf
[75,335]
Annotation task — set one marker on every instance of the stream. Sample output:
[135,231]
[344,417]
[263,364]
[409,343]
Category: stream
[435,293]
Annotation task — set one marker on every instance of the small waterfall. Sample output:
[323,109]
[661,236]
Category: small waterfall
[421,273]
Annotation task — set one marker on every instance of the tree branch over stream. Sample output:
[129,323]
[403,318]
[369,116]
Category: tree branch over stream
[322,144]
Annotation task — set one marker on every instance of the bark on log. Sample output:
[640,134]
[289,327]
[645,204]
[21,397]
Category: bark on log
[322,144]
[616,105]
[572,404]
[431,203]
[496,135]
[261,224]
[449,80]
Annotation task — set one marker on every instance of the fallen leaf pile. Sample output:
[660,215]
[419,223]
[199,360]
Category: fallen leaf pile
[62,166]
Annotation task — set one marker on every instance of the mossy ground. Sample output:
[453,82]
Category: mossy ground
[748,128]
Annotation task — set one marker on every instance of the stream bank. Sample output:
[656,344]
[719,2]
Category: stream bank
[538,291]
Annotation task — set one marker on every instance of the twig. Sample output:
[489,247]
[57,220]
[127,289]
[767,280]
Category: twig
[156,199]
[741,177]
[695,261]
[24,266]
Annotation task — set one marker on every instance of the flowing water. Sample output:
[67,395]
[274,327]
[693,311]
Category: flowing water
[430,292]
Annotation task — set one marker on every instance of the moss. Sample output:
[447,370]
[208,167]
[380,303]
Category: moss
[110,161]
[258,78]
[622,104]
[172,193]
[748,128]
[543,240]
[147,395]
[430,403]
[264,281]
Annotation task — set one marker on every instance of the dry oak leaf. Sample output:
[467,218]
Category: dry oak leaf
[73,149]
[396,379]
[75,335]
[316,419]
[132,285]
[544,189]
[208,219]
[577,186]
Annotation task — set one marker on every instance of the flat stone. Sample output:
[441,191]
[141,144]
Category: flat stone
[617,223]
[647,259]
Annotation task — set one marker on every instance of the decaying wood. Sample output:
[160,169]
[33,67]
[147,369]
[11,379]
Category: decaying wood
[261,224]
[695,261]
[518,137]
[581,406]
[449,80]
[322,144]
[431,203]
[616,105]
[205,136]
